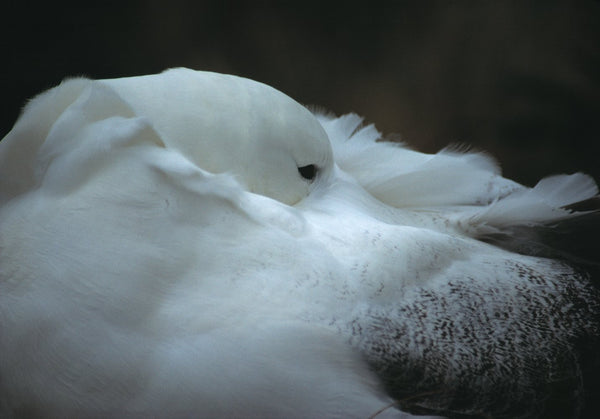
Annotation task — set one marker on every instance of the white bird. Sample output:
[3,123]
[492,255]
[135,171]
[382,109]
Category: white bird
[201,245]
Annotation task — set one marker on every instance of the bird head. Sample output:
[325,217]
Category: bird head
[273,145]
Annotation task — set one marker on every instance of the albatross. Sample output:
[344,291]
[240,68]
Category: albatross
[193,244]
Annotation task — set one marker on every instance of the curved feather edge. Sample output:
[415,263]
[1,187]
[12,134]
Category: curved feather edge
[20,146]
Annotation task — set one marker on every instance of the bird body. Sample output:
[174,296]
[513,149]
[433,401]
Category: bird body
[162,252]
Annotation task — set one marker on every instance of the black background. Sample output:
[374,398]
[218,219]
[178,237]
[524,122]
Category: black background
[520,80]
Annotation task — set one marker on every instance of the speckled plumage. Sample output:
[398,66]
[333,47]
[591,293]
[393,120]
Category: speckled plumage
[485,345]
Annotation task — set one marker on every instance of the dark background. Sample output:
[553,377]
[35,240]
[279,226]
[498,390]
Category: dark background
[520,80]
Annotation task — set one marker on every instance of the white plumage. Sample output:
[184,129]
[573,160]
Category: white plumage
[199,244]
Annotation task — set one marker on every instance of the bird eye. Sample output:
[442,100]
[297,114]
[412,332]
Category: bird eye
[308,172]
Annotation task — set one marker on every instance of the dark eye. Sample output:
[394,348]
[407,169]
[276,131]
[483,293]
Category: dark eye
[308,172]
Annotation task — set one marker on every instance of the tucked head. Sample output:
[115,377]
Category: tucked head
[223,123]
